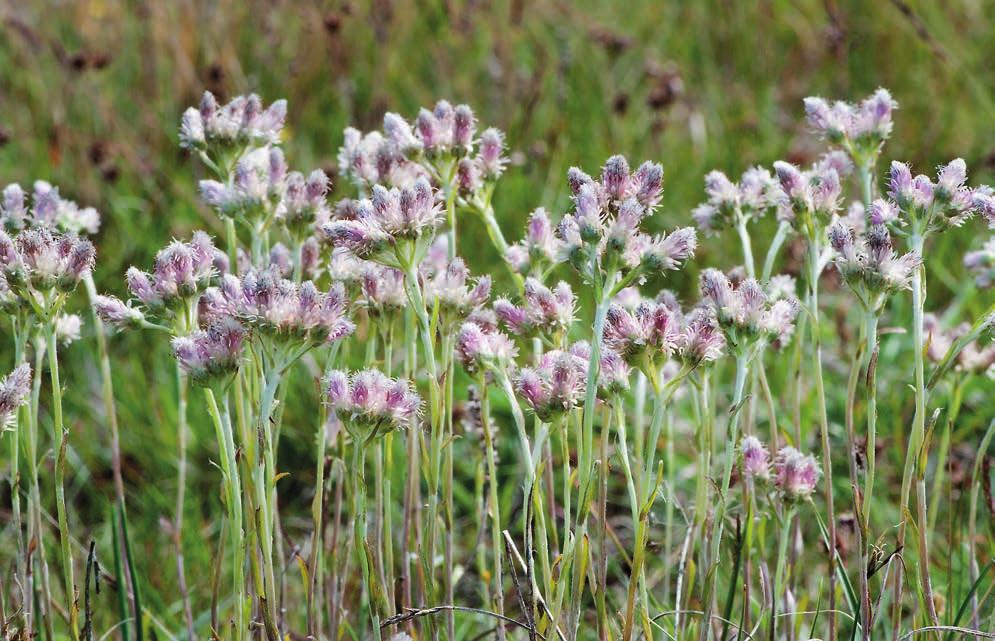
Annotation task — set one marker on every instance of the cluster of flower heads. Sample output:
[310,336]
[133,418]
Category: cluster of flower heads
[795,474]
[539,250]
[380,224]
[481,346]
[973,359]
[927,205]
[603,232]
[746,312]
[369,403]
[861,128]
[279,309]
[650,331]
[225,130]
[382,291]
[558,383]
[812,194]
[180,273]
[981,263]
[256,188]
[868,262]
[39,261]
[47,209]
[728,203]
[14,390]
[211,356]
[448,285]
[543,312]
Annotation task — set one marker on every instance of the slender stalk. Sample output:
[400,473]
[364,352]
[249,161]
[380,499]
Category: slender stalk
[360,516]
[814,271]
[181,482]
[61,438]
[782,555]
[494,504]
[972,522]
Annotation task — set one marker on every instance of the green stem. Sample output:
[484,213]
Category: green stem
[495,504]
[360,516]
[61,439]
[972,527]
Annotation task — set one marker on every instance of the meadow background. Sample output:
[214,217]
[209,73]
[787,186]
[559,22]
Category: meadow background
[91,94]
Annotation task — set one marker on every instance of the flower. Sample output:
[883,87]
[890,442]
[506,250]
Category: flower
[211,357]
[372,159]
[68,328]
[479,347]
[304,204]
[814,193]
[556,386]
[756,193]
[544,311]
[973,359]
[756,459]
[48,210]
[255,190]
[388,218]
[369,403]
[859,128]
[701,341]
[539,249]
[114,311]
[450,288]
[382,290]
[652,329]
[14,390]
[41,260]
[745,312]
[280,309]
[981,263]
[795,474]
[868,262]
[930,206]
[219,129]
[180,272]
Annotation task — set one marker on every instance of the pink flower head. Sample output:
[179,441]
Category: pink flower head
[369,403]
[795,474]
[544,311]
[41,259]
[211,357]
[701,340]
[480,347]
[756,459]
[652,328]
[14,390]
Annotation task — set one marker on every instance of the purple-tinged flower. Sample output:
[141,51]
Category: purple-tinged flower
[451,289]
[41,259]
[491,157]
[180,272]
[68,328]
[868,262]
[211,357]
[479,348]
[280,309]
[745,311]
[756,193]
[668,252]
[795,474]
[653,329]
[390,216]
[469,177]
[240,123]
[556,386]
[539,249]
[14,212]
[345,267]
[48,209]
[382,290]
[399,133]
[544,311]
[304,204]
[116,312]
[369,403]
[613,372]
[981,263]
[860,128]
[14,390]
[701,340]
[464,126]
[756,458]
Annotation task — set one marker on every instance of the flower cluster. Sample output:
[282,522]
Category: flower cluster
[369,403]
[603,235]
[701,341]
[559,382]
[868,262]
[224,131]
[645,334]
[544,312]
[480,346]
[180,273]
[372,159]
[731,203]
[449,287]
[382,291]
[304,206]
[384,223]
[813,194]
[539,250]
[861,128]
[746,312]
[756,458]
[279,309]
[256,188]
[795,474]
[48,209]
[211,357]
[39,261]
[14,390]
[927,205]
